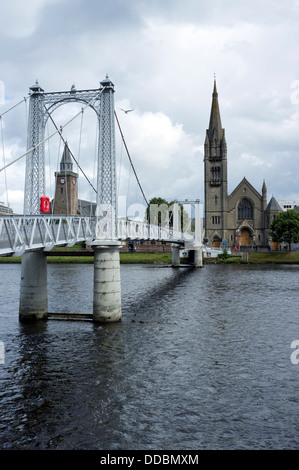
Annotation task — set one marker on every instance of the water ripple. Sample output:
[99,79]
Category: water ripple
[201,360]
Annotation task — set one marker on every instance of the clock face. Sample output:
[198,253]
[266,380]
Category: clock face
[62,180]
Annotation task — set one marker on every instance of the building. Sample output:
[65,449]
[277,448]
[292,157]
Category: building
[285,205]
[66,187]
[66,190]
[241,219]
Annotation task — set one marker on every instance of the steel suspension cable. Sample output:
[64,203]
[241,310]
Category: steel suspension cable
[64,141]
[130,159]
[80,135]
[59,132]
[14,106]
[3,153]
[52,135]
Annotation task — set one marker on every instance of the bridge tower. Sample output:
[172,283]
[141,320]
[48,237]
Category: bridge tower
[107,294]
[33,289]
[35,160]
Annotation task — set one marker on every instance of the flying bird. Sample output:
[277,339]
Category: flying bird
[126,110]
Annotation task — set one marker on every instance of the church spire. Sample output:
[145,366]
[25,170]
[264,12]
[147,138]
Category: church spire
[215,143]
[215,126]
[66,163]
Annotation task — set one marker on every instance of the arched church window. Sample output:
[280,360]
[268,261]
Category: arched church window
[245,209]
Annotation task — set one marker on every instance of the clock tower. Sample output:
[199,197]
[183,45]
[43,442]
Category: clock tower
[66,189]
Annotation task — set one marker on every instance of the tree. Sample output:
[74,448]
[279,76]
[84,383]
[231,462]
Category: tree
[158,201]
[164,208]
[285,227]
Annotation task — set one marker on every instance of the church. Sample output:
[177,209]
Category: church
[66,190]
[240,220]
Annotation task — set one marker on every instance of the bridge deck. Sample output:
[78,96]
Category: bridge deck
[26,233]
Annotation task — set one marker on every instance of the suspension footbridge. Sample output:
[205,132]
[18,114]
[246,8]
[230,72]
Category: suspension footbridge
[37,231]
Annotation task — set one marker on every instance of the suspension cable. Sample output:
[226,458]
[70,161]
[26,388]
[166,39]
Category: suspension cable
[96,146]
[64,141]
[3,153]
[57,166]
[80,135]
[59,131]
[130,159]
[120,162]
[52,135]
[14,106]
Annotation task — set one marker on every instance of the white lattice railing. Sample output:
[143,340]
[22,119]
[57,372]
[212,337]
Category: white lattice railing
[19,233]
[141,230]
[24,233]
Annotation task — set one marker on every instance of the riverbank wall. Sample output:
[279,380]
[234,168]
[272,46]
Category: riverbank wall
[84,257]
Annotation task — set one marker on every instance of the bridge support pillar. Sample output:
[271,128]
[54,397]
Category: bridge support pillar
[198,263]
[175,249]
[107,289]
[33,291]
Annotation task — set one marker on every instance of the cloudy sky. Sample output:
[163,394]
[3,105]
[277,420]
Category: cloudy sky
[161,56]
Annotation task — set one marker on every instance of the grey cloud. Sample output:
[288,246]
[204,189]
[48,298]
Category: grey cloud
[252,47]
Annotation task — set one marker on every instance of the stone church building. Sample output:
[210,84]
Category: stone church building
[240,219]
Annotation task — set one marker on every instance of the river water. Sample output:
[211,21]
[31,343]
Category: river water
[200,360]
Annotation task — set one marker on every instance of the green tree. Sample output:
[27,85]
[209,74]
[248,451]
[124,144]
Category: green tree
[159,201]
[285,227]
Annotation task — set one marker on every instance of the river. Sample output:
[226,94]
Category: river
[200,360]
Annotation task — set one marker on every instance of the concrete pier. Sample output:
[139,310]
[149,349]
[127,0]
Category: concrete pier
[198,262]
[175,250]
[33,291]
[107,288]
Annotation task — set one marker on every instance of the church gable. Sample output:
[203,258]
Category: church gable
[244,190]
[245,225]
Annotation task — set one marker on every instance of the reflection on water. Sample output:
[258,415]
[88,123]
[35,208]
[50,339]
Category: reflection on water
[201,360]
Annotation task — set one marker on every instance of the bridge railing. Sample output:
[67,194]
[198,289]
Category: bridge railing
[143,231]
[25,233]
